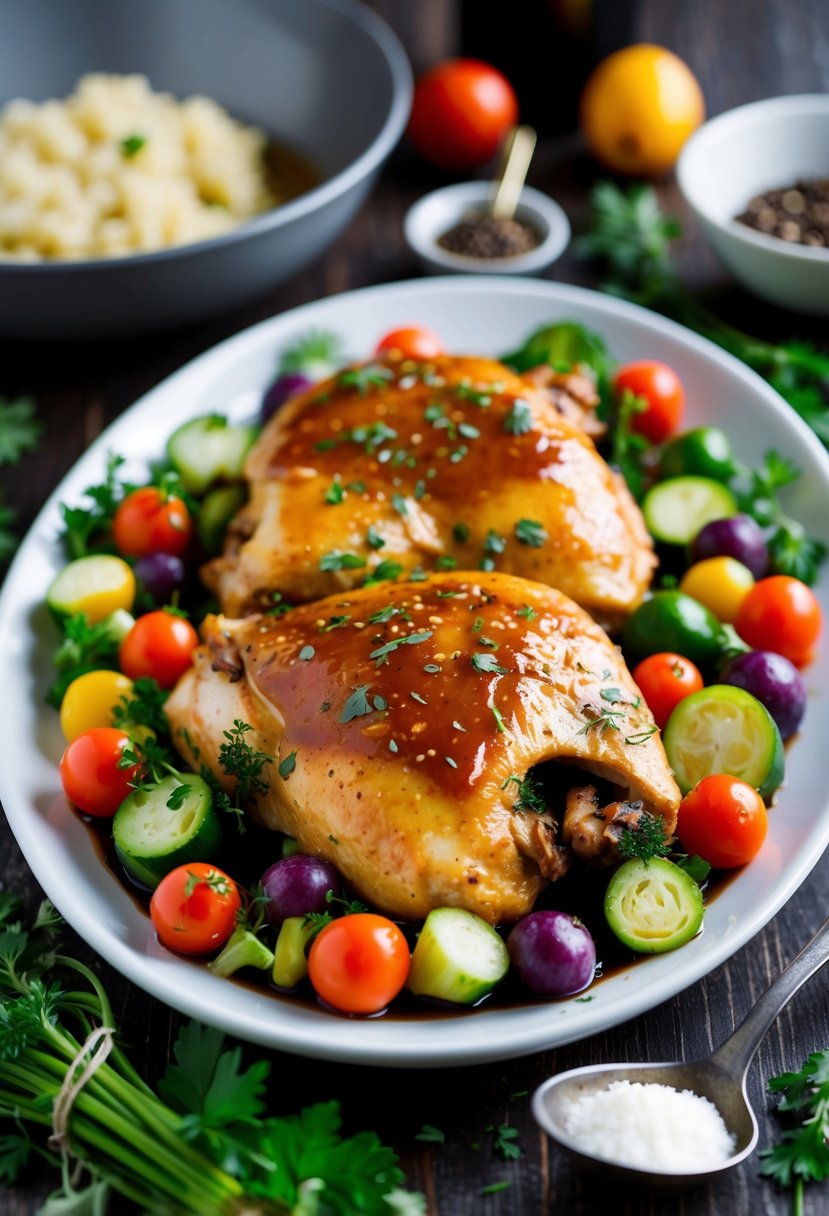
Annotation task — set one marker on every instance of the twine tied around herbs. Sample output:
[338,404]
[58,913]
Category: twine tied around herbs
[98,1045]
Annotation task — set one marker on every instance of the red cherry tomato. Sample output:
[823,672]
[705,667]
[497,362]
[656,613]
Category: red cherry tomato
[359,963]
[150,521]
[462,110]
[665,679]
[781,614]
[193,908]
[412,342]
[724,820]
[661,388]
[90,774]
[160,644]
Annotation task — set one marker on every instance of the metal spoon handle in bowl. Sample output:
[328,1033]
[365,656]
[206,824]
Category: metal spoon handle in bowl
[737,1052]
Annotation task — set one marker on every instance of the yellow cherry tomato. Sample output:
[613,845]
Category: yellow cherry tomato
[89,701]
[721,584]
[638,108]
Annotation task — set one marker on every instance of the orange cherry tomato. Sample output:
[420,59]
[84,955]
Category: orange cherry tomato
[666,679]
[359,963]
[193,908]
[150,521]
[160,644]
[661,389]
[462,110]
[724,820]
[90,771]
[781,614]
[412,342]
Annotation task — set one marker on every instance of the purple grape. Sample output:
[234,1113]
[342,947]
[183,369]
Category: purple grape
[774,681]
[553,953]
[298,885]
[280,391]
[739,536]
[160,574]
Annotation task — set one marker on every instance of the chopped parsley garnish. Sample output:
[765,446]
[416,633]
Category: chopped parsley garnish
[460,533]
[307,653]
[531,532]
[490,642]
[373,375]
[527,612]
[381,654]
[357,705]
[500,725]
[431,669]
[494,543]
[336,560]
[519,418]
[279,607]
[132,145]
[335,492]
[612,695]
[335,622]
[287,766]
[477,396]
[477,624]
[373,538]
[487,663]
[605,719]
[529,794]
[505,1142]
[641,736]
[417,697]
[419,490]
[457,456]
[452,763]
[387,569]
[446,562]
[645,841]
[383,614]
[398,503]
[393,746]
[468,431]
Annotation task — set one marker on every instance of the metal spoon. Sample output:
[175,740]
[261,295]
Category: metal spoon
[720,1077]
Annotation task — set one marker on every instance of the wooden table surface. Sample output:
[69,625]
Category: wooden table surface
[740,51]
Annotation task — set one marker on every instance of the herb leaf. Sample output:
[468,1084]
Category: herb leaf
[20,429]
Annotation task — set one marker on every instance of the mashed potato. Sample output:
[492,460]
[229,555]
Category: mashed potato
[117,169]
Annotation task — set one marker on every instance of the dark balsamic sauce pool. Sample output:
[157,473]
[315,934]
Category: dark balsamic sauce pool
[581,893]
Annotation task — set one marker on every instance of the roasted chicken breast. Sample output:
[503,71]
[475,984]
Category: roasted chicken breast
[460,464]
[426,736]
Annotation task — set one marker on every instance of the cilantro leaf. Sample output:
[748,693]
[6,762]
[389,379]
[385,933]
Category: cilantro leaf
[83,527]
[531,532]
[487,663]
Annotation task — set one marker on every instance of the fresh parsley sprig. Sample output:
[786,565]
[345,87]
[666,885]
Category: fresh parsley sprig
[630,236]
[802,1155]
[20,432]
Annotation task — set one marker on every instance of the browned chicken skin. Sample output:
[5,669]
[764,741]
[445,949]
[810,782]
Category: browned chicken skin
[455,464]
[410,715]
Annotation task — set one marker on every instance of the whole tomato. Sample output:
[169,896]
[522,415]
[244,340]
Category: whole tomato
[462,110]
[661,390]
[359,963]
[724,820]
[193,908]
[91,773]
[781,614]
[160,644]
[151,521]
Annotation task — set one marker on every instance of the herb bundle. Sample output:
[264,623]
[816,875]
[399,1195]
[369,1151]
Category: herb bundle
[203,1145]
[630,236]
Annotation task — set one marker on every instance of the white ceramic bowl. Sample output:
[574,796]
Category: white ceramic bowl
[763,146]
[436,213]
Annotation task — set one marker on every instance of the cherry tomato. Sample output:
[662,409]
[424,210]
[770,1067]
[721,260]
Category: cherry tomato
[150,521]
[666,679]
[720,583]
[193,908]
[90,773]
[359,963]
[781,614]
[462,110]
[160,644]
[659,386]
[724,820]
[412,342]
[89,701]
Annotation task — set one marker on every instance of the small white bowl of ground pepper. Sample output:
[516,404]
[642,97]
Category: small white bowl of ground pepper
[451,230]
[757,180]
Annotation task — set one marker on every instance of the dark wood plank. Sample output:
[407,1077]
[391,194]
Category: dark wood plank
[741,51]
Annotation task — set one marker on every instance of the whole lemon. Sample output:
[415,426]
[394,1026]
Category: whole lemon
[638,108]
